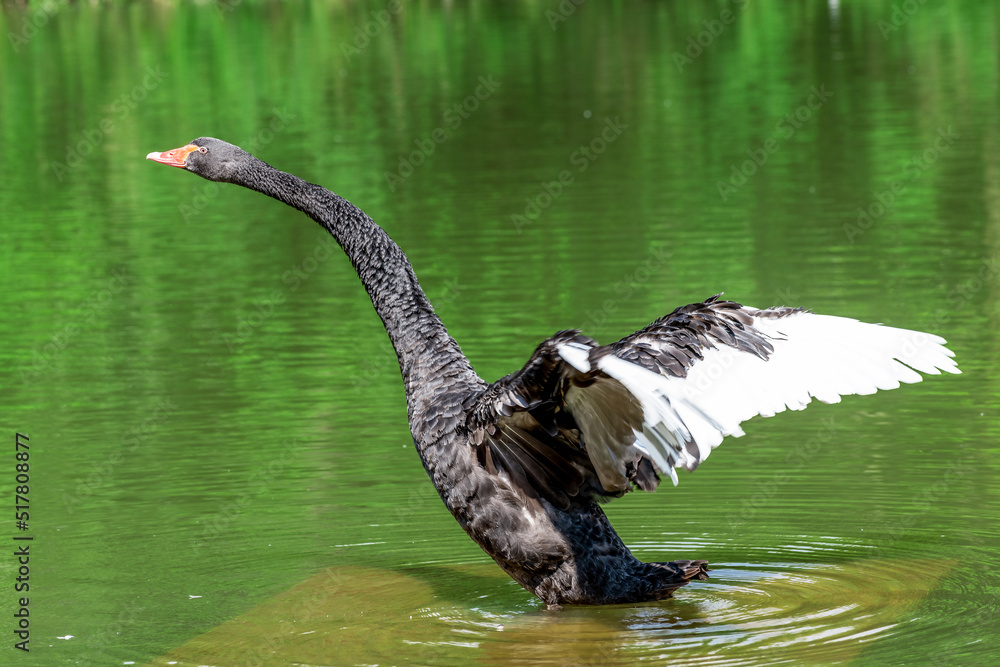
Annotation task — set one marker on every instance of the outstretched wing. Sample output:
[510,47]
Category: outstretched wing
[668,394]
[530,427]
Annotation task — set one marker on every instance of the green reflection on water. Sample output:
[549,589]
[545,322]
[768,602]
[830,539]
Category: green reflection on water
[213,406]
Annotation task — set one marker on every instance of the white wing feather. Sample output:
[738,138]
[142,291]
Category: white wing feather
[815,356]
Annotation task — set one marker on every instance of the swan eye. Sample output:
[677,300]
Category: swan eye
[202,149]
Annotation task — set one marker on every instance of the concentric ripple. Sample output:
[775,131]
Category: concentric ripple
[805,602]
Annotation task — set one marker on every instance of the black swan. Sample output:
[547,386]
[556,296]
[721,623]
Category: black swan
[524,463]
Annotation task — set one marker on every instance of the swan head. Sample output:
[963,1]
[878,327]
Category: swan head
[208,157]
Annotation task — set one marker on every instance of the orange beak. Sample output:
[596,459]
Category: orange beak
[175,158]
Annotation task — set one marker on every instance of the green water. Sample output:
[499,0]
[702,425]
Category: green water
[219,462]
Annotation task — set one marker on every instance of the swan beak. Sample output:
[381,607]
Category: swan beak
[175,158]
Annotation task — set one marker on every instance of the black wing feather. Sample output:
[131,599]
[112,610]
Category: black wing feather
[531,424]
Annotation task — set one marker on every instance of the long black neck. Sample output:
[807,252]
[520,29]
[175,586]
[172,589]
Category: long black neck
[429,359]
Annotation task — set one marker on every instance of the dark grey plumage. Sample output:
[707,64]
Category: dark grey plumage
[523,463]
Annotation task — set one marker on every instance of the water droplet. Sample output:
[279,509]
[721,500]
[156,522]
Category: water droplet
[586,114]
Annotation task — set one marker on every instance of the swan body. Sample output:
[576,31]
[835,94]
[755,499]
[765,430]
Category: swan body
[524,463]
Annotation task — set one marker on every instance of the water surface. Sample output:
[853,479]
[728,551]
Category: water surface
[220,462]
